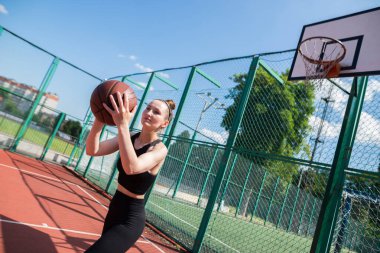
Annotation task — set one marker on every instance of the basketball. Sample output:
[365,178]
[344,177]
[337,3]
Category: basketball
[101,94]
[334,71]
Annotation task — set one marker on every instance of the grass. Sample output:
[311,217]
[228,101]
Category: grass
[10,127]
[225,232]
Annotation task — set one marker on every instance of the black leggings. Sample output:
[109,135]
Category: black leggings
[124,223]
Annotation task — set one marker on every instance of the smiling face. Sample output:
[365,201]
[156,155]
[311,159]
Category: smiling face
[155,116]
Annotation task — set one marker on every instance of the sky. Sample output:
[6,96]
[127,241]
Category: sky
[117,37]
[110,38]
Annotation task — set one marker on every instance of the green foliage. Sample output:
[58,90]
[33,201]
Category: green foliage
[11,108]
[72,127]
[4,95]
[365,211]
[275,119]
[44,119]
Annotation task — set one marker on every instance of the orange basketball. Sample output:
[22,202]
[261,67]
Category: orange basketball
[334,71]
[101,94]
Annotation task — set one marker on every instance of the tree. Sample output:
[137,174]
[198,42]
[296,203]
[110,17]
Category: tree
[275,120]
[11,108]
[4,95]
[179,146]
[72,127]
[365,208]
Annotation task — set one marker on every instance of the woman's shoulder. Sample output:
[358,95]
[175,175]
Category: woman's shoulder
[160,146]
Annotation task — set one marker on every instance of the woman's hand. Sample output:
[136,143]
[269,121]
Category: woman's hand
[120,113]
[97,123]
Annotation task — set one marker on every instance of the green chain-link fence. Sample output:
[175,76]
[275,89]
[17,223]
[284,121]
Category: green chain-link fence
[252,157]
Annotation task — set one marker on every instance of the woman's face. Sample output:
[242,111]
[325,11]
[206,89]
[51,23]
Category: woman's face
[155,115]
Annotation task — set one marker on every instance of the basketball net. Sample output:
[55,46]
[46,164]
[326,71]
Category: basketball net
[321,56]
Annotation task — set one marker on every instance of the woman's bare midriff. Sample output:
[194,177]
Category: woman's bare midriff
[128,193]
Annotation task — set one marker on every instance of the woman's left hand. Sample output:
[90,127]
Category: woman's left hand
[120,113]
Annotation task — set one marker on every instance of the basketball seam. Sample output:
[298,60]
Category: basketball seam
[94,104]
[110,90]
[98,93]
[108,94]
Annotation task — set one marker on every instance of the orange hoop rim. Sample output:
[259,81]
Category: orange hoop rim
[322,62]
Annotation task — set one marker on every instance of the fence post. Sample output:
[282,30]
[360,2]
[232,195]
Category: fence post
[227,182]
[53,134]
[45,82]
[283,205]
[293,209]
[302,213]
[226,155]
[311,216]
[175,120]
[113,173]
[141,104]
[242,192]
[342,230]
[81,137]
[92,158]
[259,195]
[271,199]
[327,216]
[207,176]
[179,180]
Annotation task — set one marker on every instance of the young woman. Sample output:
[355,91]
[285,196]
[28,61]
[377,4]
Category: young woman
[141,157]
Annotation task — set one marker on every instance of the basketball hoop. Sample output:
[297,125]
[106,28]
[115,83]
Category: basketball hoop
[321,56]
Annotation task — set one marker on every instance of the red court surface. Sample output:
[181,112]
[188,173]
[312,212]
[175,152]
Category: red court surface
[46,208]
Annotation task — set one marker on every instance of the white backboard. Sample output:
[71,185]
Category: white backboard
[359,33]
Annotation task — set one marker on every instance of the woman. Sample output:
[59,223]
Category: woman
[141,157]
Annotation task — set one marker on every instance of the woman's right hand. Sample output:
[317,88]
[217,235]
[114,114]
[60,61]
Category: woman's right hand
[98,123]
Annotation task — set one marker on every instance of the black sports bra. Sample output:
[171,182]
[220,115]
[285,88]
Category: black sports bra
[137,183]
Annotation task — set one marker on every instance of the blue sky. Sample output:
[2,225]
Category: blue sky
[110,38]
[100,36]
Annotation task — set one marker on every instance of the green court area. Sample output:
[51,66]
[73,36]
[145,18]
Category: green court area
[226,233]
[34,136]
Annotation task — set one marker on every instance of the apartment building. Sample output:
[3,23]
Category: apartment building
[28,93]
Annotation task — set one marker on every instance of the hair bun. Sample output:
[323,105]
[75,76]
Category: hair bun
[171,103]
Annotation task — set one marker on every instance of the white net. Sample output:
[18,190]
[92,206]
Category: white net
[321,56]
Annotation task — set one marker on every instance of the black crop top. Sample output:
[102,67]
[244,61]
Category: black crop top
[137,183]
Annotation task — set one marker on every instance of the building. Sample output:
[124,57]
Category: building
[27,94]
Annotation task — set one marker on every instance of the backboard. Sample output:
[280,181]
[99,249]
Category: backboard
[358,32]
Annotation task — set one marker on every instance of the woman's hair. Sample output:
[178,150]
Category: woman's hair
[171,106]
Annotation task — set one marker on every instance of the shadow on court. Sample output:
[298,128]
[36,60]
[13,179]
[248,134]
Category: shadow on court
[18,238]
[46,208]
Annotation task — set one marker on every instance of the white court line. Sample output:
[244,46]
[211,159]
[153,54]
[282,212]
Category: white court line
[48,227]
[92,197]
[36,174]
[44,225]
[194,227]
[154,245]
[62,181]
[147,241]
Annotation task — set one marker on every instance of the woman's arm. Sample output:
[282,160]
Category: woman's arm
[133,164]
[96,148]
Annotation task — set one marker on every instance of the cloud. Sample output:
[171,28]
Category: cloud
[121,56]
[147,69]
[219,137]
[330,130]
[3,10]
[143,68]
[372,88]
[132,57]
[369,130]
[164,75]
[144,85]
